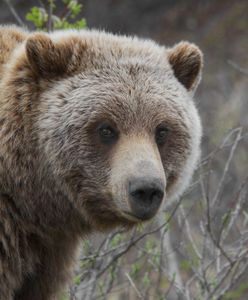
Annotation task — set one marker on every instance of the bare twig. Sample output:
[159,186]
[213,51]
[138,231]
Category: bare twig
[226,168]
[50,14]
[237,67]
[134,286]
[14,13]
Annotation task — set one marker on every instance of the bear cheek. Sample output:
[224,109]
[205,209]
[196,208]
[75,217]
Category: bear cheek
[179,166]
[175,154]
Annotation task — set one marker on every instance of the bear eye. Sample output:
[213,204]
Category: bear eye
[107,133]
[161,134]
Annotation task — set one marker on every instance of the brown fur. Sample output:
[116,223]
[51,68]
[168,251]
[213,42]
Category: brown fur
[186,63]
[49,59]
[10,37]
[58,182]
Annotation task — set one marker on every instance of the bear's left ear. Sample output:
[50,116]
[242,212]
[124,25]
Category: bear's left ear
[48,58]
[186,60]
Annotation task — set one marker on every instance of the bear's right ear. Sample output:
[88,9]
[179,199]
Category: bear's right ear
[47,58]
[186,60]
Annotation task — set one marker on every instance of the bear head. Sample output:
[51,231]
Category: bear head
[116,123]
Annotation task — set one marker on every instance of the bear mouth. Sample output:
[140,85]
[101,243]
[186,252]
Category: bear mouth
[134,218]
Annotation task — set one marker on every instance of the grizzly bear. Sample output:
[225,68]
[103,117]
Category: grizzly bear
[96,131]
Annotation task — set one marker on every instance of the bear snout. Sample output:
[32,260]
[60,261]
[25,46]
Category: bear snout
[145,196]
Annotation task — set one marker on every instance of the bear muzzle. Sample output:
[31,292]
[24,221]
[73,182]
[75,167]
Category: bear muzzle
[137,178]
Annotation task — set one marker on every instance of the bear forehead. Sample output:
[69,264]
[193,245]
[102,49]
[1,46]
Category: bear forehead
[129,100]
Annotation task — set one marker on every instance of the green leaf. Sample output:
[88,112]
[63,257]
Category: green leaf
[225,219]
[74,7]
[116,240]
[240,291]
[77,279]
[185,265]
[64,297]
[146,279]
[63,24]
[135,268]
[37,16]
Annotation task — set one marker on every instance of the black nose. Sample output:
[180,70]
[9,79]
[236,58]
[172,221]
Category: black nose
[145,196]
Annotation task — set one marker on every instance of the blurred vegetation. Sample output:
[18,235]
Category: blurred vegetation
[45,17]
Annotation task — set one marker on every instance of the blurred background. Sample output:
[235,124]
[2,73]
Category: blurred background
[201,252]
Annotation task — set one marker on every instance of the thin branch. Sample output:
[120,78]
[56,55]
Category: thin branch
[50,14]
[235,211]
[226,168]
[14,13]
[189,233]
[237,67]
[134,286]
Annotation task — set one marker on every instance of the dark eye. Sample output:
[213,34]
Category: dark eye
[107,133]
[161,134]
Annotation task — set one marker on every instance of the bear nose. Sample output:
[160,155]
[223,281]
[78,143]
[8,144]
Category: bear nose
[145,196]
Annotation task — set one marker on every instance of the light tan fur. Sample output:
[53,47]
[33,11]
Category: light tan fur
[10,38]
[139,155]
